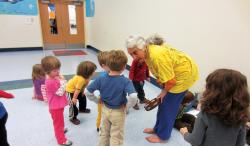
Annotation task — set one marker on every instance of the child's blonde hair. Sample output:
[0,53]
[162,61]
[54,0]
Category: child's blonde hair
[86,69]
[50,63]
[37,72]
[117,60]
[102,58]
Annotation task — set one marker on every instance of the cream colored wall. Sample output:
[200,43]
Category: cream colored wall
[216,33]
[20,31]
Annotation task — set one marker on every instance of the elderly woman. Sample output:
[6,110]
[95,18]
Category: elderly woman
[174,70]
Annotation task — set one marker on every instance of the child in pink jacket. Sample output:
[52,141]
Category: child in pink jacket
[55,91]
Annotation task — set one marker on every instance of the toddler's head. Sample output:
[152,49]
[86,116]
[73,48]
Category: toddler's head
[51,66]
[37,72]
[102,59]
[226,96]
[189,96]
[86,69]
[117,60]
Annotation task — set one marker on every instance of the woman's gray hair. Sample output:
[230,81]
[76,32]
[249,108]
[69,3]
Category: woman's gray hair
[155,40]
[134,41]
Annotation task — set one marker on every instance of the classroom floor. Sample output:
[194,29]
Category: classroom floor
[29,122]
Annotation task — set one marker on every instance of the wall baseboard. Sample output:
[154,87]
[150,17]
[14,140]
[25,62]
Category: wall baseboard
[93,48]
[152,80]
[20,49]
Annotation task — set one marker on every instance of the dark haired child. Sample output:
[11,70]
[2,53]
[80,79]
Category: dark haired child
[138,73]
[75,88]
[184,119]
[224,111]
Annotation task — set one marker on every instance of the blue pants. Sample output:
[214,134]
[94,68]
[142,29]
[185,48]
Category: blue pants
[166,114]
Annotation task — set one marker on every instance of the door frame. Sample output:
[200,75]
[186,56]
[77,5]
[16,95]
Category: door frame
[63,40]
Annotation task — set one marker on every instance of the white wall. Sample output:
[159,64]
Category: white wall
[216,33]
[20,31]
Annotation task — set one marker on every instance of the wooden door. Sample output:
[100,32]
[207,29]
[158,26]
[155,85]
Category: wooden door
[73,24]
[62,24]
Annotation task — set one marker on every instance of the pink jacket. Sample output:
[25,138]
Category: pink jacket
[55,101]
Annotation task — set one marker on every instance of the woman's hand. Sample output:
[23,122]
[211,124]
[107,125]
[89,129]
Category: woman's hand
[159,83]
[74,100]
[162,95]
[248,125]
[183,130]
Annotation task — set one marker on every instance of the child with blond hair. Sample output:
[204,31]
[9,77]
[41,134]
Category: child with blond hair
[102,59]
[113,88]
[76,86]
[38,78]
[57,100]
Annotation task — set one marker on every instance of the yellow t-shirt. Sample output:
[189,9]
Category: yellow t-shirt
[77,82]
[166,63]
[52,15]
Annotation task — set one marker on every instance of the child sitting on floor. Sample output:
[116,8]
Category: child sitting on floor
[38,78]
[224,111]
[184,119]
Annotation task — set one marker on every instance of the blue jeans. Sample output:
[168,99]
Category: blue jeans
[166,114]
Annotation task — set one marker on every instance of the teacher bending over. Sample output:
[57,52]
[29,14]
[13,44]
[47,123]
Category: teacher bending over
[174,70]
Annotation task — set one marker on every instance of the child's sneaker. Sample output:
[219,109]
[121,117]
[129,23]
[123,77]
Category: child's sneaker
[127,111]
[99,132]
[67,143]
[65,130]
[136,107]
[85,111]
[145,100]
[75,121]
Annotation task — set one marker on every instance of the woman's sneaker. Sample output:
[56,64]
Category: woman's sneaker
[67,143]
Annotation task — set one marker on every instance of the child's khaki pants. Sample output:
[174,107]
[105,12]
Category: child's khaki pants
[112,131]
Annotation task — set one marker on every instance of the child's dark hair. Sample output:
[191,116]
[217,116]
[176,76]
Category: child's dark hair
[189,96]
[86,69]
[50,63]
[117,60]
[226,96]
[37,72]
[103,57]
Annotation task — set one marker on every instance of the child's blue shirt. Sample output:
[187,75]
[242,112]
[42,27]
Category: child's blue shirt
[113,89]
